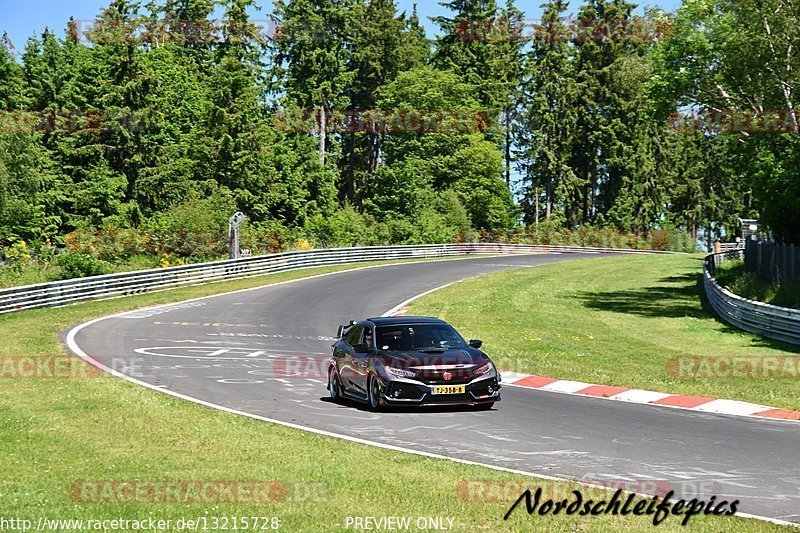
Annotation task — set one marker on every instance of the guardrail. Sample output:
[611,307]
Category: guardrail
[60,293]
[771,321]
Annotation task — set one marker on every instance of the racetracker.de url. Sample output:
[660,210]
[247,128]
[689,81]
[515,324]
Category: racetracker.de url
[201,523]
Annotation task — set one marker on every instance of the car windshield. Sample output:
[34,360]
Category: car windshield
[418,337]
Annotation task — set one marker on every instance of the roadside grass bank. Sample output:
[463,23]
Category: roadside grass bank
[57,434]
[734,276]
[614,321]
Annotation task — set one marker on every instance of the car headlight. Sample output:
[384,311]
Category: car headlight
[485,369]
[399,373]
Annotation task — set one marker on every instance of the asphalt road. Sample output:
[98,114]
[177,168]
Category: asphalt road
[234,351]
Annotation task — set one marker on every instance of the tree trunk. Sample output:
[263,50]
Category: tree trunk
[508,147]
[322,134]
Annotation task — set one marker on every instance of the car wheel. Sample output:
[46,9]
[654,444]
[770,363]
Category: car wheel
[374,395]
[484,406]
[333,384]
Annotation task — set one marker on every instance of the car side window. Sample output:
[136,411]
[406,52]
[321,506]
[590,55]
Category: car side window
[368,337]
[353,336]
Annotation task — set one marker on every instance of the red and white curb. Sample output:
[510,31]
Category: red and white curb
[623,394]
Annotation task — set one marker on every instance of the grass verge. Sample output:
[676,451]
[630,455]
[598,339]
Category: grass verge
[612,321]
[734,276]
[56,432]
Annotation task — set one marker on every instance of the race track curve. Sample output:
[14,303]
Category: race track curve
[229,350]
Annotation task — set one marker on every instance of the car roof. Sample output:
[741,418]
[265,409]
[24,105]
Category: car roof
[400,320]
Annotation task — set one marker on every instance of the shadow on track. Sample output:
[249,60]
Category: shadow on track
[352,404]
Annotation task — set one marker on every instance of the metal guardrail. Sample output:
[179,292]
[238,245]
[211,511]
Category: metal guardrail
[60,293]
[779,323]
[728,246]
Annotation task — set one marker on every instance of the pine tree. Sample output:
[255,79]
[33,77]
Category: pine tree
[381,45]
[470,46]
[12,78]
[310,58]
[548,121]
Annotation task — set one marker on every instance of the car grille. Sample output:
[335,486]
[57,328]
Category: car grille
[436,377]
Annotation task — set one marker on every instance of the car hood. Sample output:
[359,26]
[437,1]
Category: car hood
[450,358]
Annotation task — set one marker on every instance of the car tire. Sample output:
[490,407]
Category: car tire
[334,388]
[374,395]
[484,406]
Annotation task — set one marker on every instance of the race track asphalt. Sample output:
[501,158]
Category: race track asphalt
[231,350]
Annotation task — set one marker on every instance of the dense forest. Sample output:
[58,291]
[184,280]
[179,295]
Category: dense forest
[336,122]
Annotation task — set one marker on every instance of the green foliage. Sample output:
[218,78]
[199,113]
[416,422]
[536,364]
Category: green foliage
[156,137]
[714,55]
[77,265]
[16,256]
[735,277]
[346,227]
[208,211]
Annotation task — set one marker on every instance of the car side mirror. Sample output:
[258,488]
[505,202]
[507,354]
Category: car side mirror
[475,343]
[361,348]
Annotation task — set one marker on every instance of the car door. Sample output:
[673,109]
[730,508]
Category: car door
[347,368]
[360,359]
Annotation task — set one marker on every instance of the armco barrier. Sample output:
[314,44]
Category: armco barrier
[60,293]
[771,321]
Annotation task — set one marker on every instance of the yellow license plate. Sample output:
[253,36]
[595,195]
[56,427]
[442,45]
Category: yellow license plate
[448,389]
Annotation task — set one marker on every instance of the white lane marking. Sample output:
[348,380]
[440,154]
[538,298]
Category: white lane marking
[73,346]
[639,396]
[401,305]
[564,385]
[732,407]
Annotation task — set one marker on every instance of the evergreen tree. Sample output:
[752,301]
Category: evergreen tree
[548,117]
[12,78]
[382,44]
[310,58]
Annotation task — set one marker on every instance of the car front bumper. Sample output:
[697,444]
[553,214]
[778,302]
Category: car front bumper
[404,391]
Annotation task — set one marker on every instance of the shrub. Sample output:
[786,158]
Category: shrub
[346,227]
[17,255]
[660,239]
[303,244]
[77,265]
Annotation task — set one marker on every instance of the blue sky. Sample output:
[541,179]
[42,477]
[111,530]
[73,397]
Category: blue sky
[21,19]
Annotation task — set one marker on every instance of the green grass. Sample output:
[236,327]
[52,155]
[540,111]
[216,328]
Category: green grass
[55,432]
[612,321]
[734,276]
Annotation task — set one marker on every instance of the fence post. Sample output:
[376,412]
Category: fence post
[758,257]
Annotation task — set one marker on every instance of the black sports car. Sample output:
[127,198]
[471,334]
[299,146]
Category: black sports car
[410,360]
